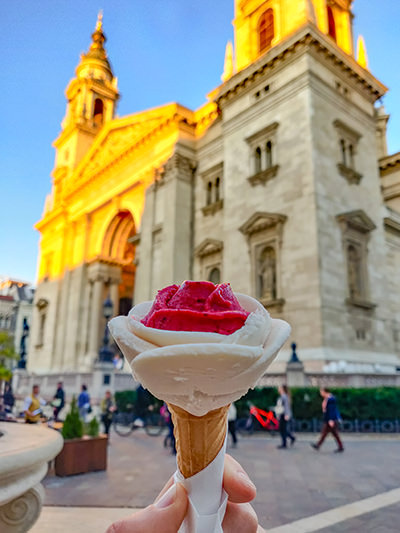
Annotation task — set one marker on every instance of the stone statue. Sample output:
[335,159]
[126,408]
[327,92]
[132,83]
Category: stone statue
[354,273]
[267,274]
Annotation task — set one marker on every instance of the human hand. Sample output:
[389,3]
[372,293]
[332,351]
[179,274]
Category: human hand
[286,418]
[331,423]
[169,509]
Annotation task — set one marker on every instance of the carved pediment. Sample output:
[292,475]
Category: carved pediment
[260,221]
[116,142]
[208,247]
[357,220]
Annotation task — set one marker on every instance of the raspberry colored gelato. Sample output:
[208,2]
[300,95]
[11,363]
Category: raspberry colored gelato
[196,306]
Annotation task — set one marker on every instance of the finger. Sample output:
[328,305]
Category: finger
[166,515]
[240,517]
[237,483]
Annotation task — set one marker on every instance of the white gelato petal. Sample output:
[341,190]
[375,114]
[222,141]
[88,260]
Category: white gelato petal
[193,370]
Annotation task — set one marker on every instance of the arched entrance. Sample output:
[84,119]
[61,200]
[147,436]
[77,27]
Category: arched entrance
[119,250]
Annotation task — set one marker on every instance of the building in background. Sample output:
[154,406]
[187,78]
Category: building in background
[16,309]
[280,183]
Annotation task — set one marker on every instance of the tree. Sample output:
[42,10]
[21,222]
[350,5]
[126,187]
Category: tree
[7,354]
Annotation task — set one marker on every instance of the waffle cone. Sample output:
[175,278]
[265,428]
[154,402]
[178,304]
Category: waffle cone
[198,438]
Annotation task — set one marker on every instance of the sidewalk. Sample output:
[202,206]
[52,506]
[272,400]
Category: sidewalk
[294,485]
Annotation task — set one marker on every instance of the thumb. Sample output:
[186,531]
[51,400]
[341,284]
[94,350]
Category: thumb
[165,515]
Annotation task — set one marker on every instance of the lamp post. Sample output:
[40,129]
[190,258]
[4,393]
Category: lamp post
[294,358]
[105,353]
[22,345]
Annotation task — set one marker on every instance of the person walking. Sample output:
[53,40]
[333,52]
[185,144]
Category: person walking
[8,399]
[84,403]
[58,400]
[284,411]
[232,415]
[33,406]
[107,409]
[331,420]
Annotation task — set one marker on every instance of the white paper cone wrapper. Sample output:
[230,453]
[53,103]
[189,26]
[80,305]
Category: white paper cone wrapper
[207,498]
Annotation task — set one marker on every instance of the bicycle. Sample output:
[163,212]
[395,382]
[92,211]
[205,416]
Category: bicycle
[124,423]
[258,419]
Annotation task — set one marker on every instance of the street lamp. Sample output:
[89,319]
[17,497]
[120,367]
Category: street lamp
[105,353]
[294,358]
[22,345]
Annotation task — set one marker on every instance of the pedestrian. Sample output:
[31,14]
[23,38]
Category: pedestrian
[33,406]
[84,403]
[8,399]
[283,410]
[58,400]
[107,409]
[232,415]
[331,420]
[170,438]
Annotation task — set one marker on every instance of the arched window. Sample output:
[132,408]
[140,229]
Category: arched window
[343,150]
[257,160]
[98,112]
[266,30]
[331,24]
[209,193]
[268,149]
[217,192]
[215,276]
[351,156]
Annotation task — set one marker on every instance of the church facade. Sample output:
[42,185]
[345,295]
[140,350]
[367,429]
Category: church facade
[280,184]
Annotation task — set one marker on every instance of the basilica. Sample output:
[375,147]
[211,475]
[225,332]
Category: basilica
[280,184]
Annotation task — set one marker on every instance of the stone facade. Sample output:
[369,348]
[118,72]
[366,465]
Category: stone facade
[273,185]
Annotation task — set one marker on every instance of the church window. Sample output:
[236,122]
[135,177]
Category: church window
[212,179]
[215,275]
[351,156]
[266,30]
[348,140]
[268,150]
[264,234]
[209,193]
[263,160]
[257,160]
[356,229]
[98,112]
[331,23]
[343,150]
[217,192]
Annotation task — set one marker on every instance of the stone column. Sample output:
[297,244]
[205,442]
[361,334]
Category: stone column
[114,295]
[95,312]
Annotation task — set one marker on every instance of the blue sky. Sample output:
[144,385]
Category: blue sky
[161,51]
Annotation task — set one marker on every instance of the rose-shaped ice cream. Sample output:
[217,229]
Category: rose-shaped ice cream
[199,371]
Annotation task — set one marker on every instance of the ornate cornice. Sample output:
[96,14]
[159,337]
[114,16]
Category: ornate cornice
[263,176]
[392,222]
[213,208]
[208,247]
[389,163]
[261,221]
[307,38]
[349,173]
[357,220]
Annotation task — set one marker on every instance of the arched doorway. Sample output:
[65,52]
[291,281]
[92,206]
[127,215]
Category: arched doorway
[119,250]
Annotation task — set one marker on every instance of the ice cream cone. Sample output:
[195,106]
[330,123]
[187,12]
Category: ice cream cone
[198,438]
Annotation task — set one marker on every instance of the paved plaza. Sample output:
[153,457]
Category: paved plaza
[299,489]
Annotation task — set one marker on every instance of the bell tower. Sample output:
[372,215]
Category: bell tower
[91,102]
[260,25]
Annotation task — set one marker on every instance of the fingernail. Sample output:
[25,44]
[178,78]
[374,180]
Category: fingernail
[244,478]
[167,499]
